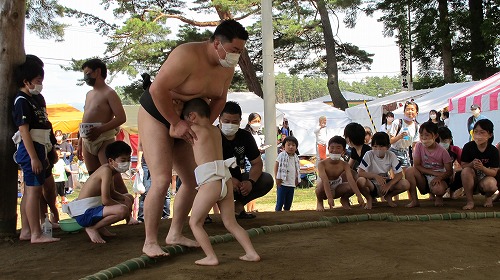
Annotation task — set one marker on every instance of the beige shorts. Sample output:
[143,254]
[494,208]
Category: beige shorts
[93,147]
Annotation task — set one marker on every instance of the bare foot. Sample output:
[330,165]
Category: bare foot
[345,203]
[468,206]
[105,232]
[319,206]
[43,239]
[25,235]
[413,204]
[181,240]
[153,250]
[254,257]
[488,202]
[94,235]
[369,202]
[208,261]
[133,222]
[389,201]
[439,201]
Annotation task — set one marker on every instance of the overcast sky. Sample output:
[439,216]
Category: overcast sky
[81,42]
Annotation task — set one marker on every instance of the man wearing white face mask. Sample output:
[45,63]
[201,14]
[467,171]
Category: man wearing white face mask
[476,115]
[192,70]
[99,205]
[239,143]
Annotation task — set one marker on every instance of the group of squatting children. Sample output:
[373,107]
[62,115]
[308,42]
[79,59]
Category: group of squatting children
[384,169]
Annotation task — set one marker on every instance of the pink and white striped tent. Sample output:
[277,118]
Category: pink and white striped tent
[485,94]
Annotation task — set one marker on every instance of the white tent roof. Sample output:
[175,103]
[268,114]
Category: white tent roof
[437,99]
[349,96]
[360,115]
[303,117]
[484,94]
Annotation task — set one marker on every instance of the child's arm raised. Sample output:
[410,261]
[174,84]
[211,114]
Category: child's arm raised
[352,183]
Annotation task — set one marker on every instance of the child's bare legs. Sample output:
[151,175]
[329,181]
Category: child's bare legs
[111,214]
[439,190]
[320,196]
[364,186]
[32,215]
[489,186]
[205,198]
[226,206]
[415,179]
[401,186]
[49,199]
[468,181]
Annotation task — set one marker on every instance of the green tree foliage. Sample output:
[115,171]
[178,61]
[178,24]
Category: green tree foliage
[41,19]
[470,26]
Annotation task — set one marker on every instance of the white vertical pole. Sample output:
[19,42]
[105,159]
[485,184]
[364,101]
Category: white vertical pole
[268,89]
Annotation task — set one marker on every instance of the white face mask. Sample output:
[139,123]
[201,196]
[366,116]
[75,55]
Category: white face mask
[433,117]
[379,153]
[255,126]
[231,59]
[37,90]
[122,166]
[445,145]
[229,129]
[335,156]
[476,113]
[59,138]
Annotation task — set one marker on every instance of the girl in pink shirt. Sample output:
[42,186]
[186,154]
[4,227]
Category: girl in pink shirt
[432,166]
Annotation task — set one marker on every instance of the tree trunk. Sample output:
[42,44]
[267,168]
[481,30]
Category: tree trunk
[444,29]
[478,46]
[12,13]
[245,63]
[331,59]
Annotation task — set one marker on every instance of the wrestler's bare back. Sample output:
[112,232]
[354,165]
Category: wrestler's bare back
[98,107]
[208,147]
[101,178]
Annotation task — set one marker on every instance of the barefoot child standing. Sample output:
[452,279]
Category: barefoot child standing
[214,184]
[99,205]
[30,116]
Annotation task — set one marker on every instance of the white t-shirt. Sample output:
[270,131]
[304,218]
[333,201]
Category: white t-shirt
[412,133]
[321,137]
[289,181]
[385,128]
[373,164]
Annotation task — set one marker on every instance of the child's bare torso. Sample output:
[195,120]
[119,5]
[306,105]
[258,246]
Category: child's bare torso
[208,147]
[333,169]
[94,184]
[97,108]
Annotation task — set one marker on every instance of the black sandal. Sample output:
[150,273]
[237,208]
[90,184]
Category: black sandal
[245,215]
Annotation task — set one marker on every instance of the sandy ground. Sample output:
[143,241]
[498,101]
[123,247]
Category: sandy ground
[455,249]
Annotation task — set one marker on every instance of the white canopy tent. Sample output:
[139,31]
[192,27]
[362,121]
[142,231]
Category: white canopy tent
[303,117]
[437,99]
[360,115]
[485,94]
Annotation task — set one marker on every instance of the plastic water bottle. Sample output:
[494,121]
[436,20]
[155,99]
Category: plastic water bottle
[47,226]
[406,137]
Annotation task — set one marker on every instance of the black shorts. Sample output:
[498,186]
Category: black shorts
[148,104]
